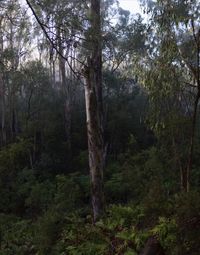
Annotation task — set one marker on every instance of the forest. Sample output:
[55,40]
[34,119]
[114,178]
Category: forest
[99,128]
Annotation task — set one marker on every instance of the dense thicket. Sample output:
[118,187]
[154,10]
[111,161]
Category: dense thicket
[147,124]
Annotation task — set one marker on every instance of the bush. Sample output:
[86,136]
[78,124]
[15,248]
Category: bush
[16,236]
[48,230]
[187,213]
[166,232]
[115,234]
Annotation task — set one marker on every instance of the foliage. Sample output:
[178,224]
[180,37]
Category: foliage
[150,75]
[111,235]
[16,236]
[166,230]
[187,218]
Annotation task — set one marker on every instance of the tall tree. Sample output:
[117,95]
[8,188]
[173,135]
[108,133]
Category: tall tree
[14,38]
[172,70]
[2,87]
[94,109]
[93,92]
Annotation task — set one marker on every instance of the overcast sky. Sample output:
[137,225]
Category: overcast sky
[131,5]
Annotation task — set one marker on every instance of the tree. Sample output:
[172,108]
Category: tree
[172,76]
[93,97]
[2,87]
[14,33]
[91,35]
[94,109]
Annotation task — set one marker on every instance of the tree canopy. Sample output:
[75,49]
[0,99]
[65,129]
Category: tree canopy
[99,127]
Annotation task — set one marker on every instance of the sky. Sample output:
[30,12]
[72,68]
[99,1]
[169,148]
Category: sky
[132,5]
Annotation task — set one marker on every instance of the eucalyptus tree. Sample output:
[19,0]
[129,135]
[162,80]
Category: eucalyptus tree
[14,43]
[2,88]
[94,108]
[123,40]
[82,31]
[171,75]
[109,46]
[68,29]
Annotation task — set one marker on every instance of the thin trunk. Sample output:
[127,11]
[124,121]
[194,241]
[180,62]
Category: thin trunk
[196,73]
[37,146]
[2,101]
[54,74]
[14,66]
[66,92]
[94,109]
[186,173]
[2,92]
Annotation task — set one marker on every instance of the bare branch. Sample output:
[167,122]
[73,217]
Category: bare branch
[54,46]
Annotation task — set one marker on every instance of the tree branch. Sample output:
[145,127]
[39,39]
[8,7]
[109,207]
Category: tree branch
[76,74]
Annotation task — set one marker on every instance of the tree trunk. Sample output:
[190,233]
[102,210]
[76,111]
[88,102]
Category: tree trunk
[66,92]
[2,105]
[196,74]
[2,92]
[94,111]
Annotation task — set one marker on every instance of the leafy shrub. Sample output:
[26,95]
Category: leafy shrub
[48,229]
[166,231]
[41,197]
[16,236]
[187,214]
[71,191]
[114,234]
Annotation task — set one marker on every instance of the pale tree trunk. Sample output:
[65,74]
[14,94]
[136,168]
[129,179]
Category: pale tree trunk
[93,97]
[12,95]
[2,91]
[53,74]
[66,92]
[2,105]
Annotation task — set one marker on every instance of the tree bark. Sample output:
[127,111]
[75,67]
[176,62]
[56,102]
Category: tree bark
[196,73]
[2,91]
[2,105]
[66,92]
[94,111]
[187,172]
